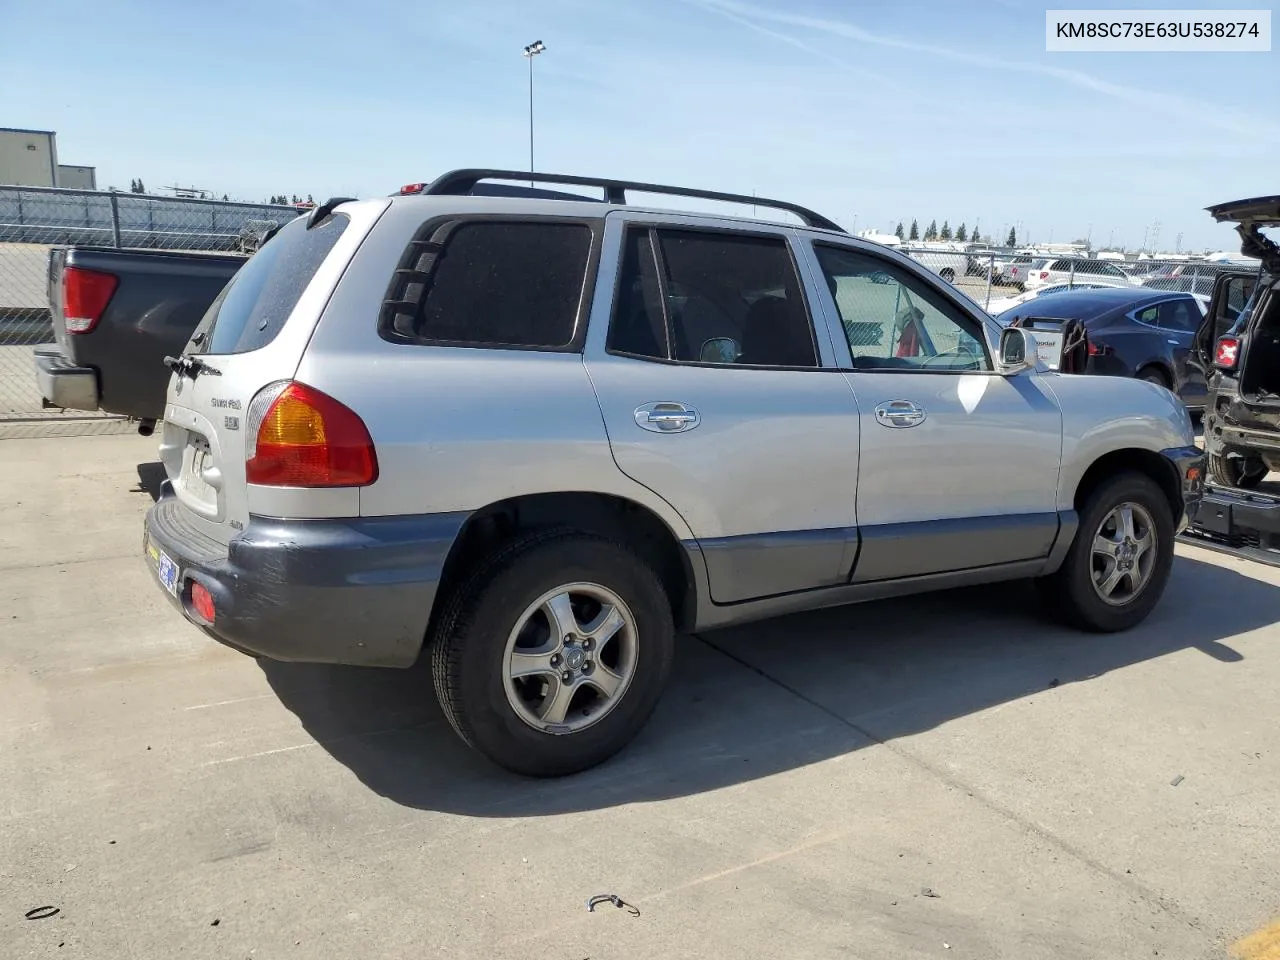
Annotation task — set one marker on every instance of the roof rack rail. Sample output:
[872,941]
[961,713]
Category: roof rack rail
[462,182]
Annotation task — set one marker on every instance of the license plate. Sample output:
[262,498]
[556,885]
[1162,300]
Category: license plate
[1048,348]
[167,571]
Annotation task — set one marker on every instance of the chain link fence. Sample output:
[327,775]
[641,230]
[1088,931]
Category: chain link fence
[33,220]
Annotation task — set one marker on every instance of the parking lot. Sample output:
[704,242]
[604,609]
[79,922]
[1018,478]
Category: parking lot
[946,776]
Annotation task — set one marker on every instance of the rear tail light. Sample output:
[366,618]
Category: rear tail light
[411,188]
[300,437]
[1097,349]
[85,295]
[202,600]
[1227,353]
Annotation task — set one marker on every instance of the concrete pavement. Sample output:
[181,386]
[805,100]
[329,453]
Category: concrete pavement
[936,777]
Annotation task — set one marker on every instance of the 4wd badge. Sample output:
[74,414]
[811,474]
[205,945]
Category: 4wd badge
[231,423]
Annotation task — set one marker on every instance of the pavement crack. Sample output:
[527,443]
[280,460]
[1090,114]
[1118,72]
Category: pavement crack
[1144,893]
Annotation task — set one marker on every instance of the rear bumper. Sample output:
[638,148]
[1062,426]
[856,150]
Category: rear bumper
[1246,522]
[63,384]
[353,591]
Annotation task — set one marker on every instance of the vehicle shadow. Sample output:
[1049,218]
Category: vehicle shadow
[150,476]
[751,701]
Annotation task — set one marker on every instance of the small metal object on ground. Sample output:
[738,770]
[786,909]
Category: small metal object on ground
[1176,780]
[616,900]
[41,913]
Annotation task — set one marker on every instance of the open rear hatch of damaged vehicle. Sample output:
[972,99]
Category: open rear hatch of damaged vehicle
[1251,216]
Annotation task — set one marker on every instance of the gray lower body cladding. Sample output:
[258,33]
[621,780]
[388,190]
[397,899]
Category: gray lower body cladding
[354,591]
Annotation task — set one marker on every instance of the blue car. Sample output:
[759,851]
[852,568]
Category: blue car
[1133,332]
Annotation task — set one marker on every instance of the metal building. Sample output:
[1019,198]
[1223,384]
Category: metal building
[29,158]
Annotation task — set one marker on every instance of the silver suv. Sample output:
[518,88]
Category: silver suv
[537,438]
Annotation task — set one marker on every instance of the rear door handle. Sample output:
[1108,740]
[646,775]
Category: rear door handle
[666,416]
[899,413]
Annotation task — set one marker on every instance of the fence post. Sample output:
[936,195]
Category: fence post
[1071,280]
[115,219]
[991,269]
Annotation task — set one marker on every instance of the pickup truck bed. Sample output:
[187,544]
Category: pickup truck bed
[116,315]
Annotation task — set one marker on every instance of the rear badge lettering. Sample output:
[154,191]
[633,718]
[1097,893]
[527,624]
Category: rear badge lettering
[219,404]
[236,525]
[231,423]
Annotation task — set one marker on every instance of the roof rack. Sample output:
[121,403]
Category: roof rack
[462,182]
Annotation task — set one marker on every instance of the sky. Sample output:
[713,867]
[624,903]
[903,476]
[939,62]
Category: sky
[869,111]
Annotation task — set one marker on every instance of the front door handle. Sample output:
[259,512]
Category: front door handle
[667,417]
[899,413]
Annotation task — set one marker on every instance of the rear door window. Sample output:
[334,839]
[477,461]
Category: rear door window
[1179,316]
[711,297]
[253,307]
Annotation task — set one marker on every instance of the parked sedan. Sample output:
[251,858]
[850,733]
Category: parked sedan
[1133,332]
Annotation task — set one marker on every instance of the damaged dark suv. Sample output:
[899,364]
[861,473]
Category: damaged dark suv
[1239,348]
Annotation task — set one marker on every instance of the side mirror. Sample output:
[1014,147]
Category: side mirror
[1018,351]
[719,350]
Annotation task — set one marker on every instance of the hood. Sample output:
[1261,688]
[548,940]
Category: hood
[1250,216]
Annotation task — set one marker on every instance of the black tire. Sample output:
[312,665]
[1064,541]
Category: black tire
[947,274]
[1070,594]
[1155,375]
[468,646]
[1245,473]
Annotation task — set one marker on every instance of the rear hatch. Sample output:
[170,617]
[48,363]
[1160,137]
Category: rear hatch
[1251,216]
[253,335]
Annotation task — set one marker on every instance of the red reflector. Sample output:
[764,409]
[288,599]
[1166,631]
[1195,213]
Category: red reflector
[1227,353]
[308,439]
[202,600]
[1094,349]
[1044,274]
[85,295]
[412,188]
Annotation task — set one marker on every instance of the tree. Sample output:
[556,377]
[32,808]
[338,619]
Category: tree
[140,187]
[295,201]
[1013,239]
[897,231]
[225,197]
[946,231]
[962,234]
[931,232]
[309,200]
[915,231]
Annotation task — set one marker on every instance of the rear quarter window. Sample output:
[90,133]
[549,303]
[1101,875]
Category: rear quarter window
[253,306]
[493,283]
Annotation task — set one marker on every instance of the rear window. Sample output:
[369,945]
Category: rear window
[496,284]
[253,306]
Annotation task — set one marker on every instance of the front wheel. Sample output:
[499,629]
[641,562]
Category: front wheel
[553,655]
[1119,562]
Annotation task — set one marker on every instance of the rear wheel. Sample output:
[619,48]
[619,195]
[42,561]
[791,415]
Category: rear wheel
[1245,472]
[1155,375]
[554,653]
[947,274]
[1119,562]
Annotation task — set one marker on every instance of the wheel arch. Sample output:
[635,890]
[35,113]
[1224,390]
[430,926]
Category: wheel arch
[610,515]
[1147,462]
[1161,367]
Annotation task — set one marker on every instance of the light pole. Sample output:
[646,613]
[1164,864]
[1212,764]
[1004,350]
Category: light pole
[531,51]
